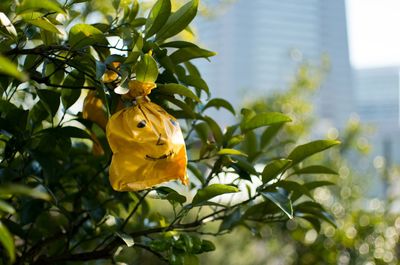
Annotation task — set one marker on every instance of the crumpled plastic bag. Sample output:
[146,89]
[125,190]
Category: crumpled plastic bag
[147,144]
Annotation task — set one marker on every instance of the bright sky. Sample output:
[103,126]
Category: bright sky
[374,32]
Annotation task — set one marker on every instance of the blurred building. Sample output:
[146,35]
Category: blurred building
[377,92]
[261,42]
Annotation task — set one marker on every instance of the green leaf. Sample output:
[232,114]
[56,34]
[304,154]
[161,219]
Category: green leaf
[216,130]
[172,88]
[147,69]
[70,96]
[42,23]
[7,67]
[280,200]
[315,169]
[264,119]
[219,103]
[158,15]
[301,152]
[5,22]
[5,207]
[231,220]
[37,192]
[273,169]
[207,246]
[315,209]
[195,81]
[73,132]
[50,5]
[82,35]
[228,151]
[179,44]
[269,134]
[189,53]
[178,21]
[212,191]
[294,187]
[7,241]
[170,195]
[129,241]
[316,184]
[50,99]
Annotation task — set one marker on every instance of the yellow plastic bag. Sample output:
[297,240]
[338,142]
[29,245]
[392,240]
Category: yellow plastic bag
[147,144]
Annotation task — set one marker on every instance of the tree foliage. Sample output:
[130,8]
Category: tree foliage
[56,204]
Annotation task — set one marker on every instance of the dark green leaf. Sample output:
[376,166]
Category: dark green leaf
[315,169]
[73,132]
[178,21]
[315,209]
[212,191]
[301,152]
[179,44]
[50,99]
[231,220]
[220,103]
[264,119]
[42,23]
[269,134]
[207,246]
[70,96]
[7,241]
[189,53]
[159,14]
[315,184]
[280,200]
[172,88]
[216,130]
[292,186]
[170,195]
[196,82]
[274,169]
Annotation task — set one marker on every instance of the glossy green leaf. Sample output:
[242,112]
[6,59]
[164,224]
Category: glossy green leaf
[274,169]
[301,152]
[179,44]
[207,246]
[43,23]
[172,88]
[280,200]
[147,69]
[196,82]
[189,53]
[219,103]
[7,67]
[315,169]
[212,191]
[7,241]
[228,151]
[50,5]
[264,119]
[5,22]
[295,187]
[73,132]
[158,15]
[82,35]
[178,21]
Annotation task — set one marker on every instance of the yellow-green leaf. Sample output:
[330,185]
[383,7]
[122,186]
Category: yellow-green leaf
[229,151]
[159,14]
[7,241]
[172,88]
[212,191]
[9,68]
[301,152]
